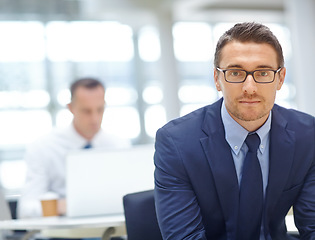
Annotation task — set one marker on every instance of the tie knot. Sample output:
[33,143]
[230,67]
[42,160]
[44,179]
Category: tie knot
[88,145]
[252,142]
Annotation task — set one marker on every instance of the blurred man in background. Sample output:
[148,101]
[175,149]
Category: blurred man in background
[46,157]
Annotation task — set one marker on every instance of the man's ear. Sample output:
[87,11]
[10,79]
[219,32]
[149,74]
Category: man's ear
[69,105]
[282,74]
[216,80]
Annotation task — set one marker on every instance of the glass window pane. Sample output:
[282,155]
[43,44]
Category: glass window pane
[22,76]
[197,94]
[64,97]
[149,44]
[188,108]
[29,99]
[118,96]
[285,97]
[89,41]
[22,127]
[22,41]
[122,121]
[57,41]
[12,174]
[63,118]
[152,95]
[154,117]
[192,41]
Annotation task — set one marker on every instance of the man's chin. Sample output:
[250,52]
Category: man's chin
[249,117]
[93,132]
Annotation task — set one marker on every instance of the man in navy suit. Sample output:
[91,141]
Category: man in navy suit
[199,158]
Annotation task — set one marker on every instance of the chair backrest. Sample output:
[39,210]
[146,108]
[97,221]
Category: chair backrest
[4,208]
[140,215]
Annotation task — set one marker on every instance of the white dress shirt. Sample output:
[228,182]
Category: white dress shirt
[45,160]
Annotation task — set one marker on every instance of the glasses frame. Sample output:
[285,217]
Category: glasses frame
[249,73]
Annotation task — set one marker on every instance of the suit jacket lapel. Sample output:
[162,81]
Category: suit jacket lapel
[282,142]
[221,162]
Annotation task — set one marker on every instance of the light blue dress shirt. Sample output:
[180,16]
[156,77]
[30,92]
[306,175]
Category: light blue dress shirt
[235,135]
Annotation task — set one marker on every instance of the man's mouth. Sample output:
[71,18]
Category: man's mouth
[250,102]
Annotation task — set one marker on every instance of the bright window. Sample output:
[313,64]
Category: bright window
[63,118]
[197,94]
[22,41]
[192,41]
[89,41]
[122,121]
[149,44]
[155,117]
[12,174]
[23,127]
[120,96]
[152,95]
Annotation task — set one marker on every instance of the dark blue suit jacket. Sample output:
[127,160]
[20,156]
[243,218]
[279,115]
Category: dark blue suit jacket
[196,187]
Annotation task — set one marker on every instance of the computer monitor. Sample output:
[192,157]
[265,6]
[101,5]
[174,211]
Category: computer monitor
[96,180]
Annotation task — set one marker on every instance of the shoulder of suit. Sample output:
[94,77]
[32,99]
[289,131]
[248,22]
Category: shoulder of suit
[188,118]
[198,113]
[194,121]
[295,116]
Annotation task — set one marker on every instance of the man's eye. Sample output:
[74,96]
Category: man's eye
[235,73]
[263,74]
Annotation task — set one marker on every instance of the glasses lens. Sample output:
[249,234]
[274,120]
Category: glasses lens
[234,75]
[264,76]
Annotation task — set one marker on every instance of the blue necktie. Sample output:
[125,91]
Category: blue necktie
[251,193]
[88,145]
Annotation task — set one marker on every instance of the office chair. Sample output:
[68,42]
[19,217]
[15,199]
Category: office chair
[140,215]
[8,212]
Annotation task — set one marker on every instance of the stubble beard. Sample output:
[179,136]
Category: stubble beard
[250,114]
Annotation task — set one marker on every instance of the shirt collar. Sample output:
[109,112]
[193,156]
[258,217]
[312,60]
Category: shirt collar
[235,134]
[76,137]
[81,141]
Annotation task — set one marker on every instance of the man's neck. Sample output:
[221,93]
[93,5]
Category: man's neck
[251,126]
[88,137]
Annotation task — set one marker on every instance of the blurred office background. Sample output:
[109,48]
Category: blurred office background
[155,57]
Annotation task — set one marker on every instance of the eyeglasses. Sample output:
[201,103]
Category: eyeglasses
[239,75]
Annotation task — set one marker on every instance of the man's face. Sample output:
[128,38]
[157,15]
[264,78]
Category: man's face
[87,107]
[249,103]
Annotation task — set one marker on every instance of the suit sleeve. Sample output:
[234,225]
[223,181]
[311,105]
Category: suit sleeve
[304,208]
[177,208]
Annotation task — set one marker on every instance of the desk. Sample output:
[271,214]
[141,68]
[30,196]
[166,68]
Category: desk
[63,227]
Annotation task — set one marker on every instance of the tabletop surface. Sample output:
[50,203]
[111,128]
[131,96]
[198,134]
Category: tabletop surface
[63,222]
[82,222]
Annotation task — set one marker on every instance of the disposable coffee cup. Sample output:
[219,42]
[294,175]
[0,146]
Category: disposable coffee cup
[49,204]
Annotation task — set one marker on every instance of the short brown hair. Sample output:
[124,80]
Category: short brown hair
[86,82]
[249,32]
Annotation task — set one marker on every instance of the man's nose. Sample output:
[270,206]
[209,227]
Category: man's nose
[249,86]
[95,117]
